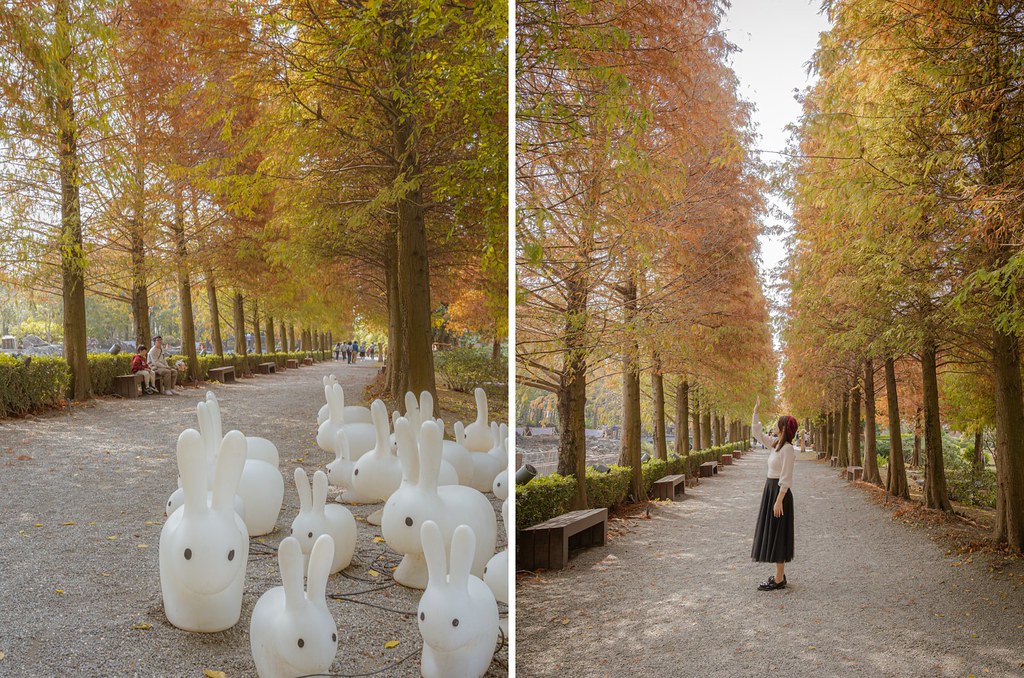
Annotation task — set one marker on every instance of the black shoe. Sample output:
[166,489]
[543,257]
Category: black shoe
[771,584]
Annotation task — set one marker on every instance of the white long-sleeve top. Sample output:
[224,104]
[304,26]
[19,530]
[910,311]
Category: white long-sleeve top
[780,462]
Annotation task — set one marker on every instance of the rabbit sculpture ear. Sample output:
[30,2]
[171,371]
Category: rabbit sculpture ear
[341,449]
[210,441]
[305,494]
[319,492]
[481,406]
[434,552]
[426,406]
[230,465]
[408,450]
[320,560]
[379,412]
[192,470]
[430,455]
[291,562]
[463,550]
[217,428]
[335,403]
[412,409]
[460,433]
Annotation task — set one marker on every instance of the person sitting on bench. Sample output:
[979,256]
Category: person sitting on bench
[140,366]
[158,363]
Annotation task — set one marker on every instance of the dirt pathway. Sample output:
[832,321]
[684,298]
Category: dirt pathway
[70,594]
[677,596]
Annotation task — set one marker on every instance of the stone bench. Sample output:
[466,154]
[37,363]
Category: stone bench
[708,469]
[547,544]
[666,488]
[307,361]
[267,368]
[854,472]
[726,459]
[130,385]
[225,375]
[833,461]
[291,364]
[736,454]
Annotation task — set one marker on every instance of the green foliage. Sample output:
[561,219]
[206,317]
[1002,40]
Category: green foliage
[465,369]
[103,367]
[605,490]
[543,498]
[883,445]
[23,389]
[972,487]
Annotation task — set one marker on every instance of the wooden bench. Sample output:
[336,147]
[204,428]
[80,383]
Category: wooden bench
[130,385]
[821,455]
[833,461]
[708,469]
[666,488]
[727,459]
[225,375]
[547,544]
[267,368]
[291,364]
[854,472]
[736,454]
[307,361]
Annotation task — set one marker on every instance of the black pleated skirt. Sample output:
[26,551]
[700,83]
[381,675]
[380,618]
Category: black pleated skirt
[773,537]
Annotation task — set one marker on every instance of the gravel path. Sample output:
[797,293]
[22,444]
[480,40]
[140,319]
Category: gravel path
[70,594]
[676,595]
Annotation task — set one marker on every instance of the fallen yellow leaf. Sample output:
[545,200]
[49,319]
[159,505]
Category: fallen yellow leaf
[112,537]
[143,546]
[374,573]
[38,525]
[151,522]
[379,540]
[141,627]
[390,644]
[104,574]
[61,591]
[2,655]
[70,522]
[214,674]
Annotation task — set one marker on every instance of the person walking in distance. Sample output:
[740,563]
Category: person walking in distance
[773,536]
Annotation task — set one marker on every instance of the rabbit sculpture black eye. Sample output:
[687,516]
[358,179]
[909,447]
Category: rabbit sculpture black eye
[422,616]
[455,622]
[302,643]
[334,637]
[408,521]
[188,554]
[355,472]
[310,535]
[231,555]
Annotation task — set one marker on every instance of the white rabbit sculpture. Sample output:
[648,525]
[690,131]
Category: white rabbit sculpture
[378,473]
[339,472]
[353,413]
[453,451]
[487,465]
[496,572]
[419,498]
[257,448]
[292,633]
[204,547]
[361,435]
[478,433]
[316,518]
[448,474]
[457,614]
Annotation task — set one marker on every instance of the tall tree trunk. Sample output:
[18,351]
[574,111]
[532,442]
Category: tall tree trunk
[1009,441]
[256,326]
[844,431]
[871,474]
[211,294]
[271,341]
[629,452]
[935,494]
[292,345]
[72,253]
[855,459]
[137,243]
[827,434]
[695,414]
[395,372]
[283,331]
[915,459]
[705,428]
[658,392]
[413,255]
[572,387]
[241,346]
[496,349]
[188,326]
[896,483]
[682,418]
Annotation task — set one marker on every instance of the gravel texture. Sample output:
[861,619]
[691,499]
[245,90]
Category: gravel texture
[70,594]
[677,595]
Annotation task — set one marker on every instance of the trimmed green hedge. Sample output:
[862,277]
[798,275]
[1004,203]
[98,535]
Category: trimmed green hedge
[543,498]
[45,382]
[548,496]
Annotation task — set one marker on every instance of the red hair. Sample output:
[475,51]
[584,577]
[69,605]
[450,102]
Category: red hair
[788,426]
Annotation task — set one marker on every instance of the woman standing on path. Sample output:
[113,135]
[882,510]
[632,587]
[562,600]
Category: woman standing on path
[773,537]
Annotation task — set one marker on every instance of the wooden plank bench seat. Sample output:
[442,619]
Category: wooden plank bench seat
[666,488]
[727,459]
[834,461]
[307,361]
[854,472]
[291,364]
[130,385]
[708,469]
[225,375]
[547,544]
[736,454]
[267,368]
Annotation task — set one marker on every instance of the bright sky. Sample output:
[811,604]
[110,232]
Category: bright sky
[776,40]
